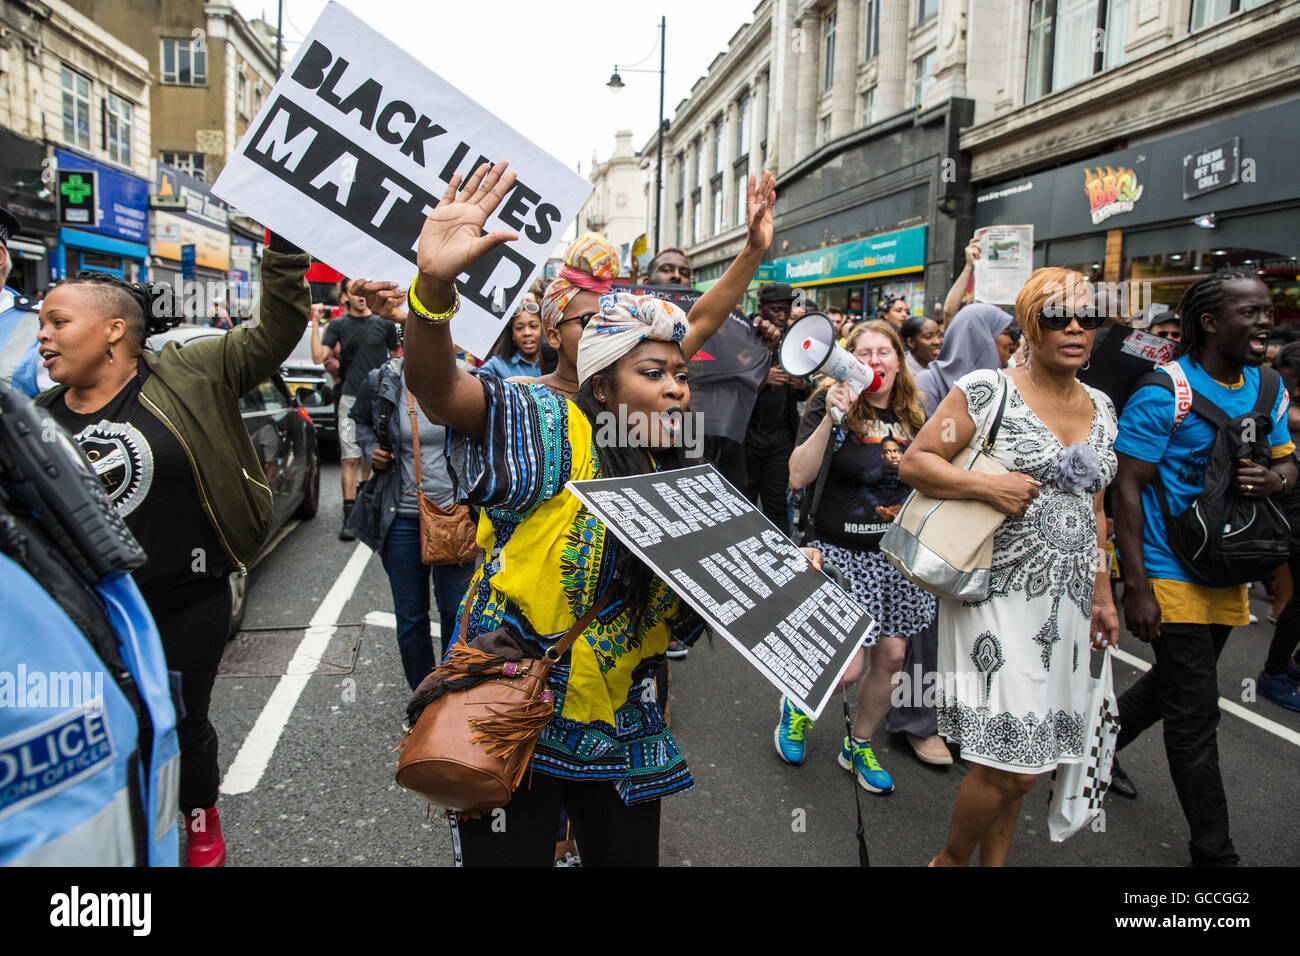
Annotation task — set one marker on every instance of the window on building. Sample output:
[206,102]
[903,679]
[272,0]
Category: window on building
[681,175]
[257,98]
[697,215]
[742,194]
[926,10]
[184,62]
[1071,40]
[117,129]
[922,78]
[828,48]
[76,109]
[1206,12]
[717,207]
[824,131]
[869,107]
[677,226]
[699,162]
[767,95]
[742,125]
[719,128]
[871,28]
[192,164]
[243,95]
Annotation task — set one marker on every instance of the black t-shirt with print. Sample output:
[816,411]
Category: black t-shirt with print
[148,478]
[863,490]
[364,345]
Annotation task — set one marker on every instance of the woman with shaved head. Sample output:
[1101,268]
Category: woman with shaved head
[165,435]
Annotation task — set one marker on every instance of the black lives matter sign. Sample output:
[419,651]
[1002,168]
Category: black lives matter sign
[744,577]
[354,148]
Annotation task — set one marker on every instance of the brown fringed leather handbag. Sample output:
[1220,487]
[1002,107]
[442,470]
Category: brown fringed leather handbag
[447,535]
[475,720]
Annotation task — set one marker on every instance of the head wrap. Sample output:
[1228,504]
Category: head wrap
[968,345]
[624,321]
[590,264]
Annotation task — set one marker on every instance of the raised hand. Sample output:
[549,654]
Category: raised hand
[760,198]
[382,298]
[452,240]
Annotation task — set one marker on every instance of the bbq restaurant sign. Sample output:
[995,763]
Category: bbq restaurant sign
[354,148]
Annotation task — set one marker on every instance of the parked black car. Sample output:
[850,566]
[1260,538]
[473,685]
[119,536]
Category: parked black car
[315,389]
[285,438]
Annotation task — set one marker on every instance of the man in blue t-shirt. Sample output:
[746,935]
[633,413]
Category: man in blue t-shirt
[1227,319]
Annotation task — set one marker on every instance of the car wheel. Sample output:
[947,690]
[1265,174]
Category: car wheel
[238,601]
[311,492]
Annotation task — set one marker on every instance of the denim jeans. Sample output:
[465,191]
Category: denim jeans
[409,578]
[1182,689]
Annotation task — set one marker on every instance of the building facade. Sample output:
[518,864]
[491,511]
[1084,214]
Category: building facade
[72,99]
[617,204]
[857,106]
[1160,150]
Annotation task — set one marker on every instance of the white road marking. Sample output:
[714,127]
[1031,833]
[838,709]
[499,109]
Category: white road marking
[382,619]
[255,753]
[1232,707]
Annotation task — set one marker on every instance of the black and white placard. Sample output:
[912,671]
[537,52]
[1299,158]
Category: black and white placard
[353,149]
[745,578]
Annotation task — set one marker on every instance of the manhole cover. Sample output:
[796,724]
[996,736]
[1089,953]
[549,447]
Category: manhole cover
[268,652]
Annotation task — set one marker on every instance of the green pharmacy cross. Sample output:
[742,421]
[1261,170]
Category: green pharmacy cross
[76,189]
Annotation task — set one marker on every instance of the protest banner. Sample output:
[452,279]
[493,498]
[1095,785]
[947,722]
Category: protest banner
[353,149]
[726,372]
[743,576]
[1005,263]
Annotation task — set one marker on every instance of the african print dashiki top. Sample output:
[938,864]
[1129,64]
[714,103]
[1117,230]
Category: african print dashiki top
[548,561]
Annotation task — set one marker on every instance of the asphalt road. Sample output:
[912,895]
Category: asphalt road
[326,795]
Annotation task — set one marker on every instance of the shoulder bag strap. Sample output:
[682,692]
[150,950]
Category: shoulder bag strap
[991,438]
[558,649]
[1269,382]
[806,520]
[415,442]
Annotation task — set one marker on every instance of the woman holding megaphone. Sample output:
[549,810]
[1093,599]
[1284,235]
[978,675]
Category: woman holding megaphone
[856,424]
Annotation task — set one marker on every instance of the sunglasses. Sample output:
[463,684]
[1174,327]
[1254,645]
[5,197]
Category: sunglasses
[1058,320]
[530,307]
[584,319]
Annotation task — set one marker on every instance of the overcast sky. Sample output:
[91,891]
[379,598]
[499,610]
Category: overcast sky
[542,66]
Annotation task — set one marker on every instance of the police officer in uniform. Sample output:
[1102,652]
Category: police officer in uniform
[20,363]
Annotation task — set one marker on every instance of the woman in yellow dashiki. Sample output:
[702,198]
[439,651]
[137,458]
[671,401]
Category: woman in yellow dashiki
[606,758]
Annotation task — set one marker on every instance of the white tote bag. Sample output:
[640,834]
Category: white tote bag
[1077,788]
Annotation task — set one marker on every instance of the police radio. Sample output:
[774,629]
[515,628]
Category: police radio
[43,470]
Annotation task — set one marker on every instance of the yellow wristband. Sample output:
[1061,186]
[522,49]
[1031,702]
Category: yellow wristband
[433,318]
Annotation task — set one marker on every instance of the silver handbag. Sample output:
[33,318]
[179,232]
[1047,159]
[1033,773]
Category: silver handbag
[945,545]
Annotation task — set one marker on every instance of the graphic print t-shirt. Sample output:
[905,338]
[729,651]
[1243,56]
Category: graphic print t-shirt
[147,476]
[863,492]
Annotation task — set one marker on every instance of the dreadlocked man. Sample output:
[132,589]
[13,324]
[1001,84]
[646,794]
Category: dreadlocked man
[1226,321]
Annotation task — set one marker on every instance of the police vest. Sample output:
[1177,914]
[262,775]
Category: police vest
[20,361]
[77,786]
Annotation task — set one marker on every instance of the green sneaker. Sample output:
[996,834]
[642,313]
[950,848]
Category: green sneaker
[862,762]
[790,731]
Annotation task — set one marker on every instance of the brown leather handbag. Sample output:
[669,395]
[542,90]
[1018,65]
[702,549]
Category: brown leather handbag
[474,722]
[447,535]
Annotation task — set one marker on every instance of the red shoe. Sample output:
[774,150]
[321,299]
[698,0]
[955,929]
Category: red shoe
[207,847]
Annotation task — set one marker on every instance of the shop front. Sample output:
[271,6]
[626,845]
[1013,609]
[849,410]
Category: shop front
[25,193]
[185,213]
[1163,214]
[860,277]
[111,237]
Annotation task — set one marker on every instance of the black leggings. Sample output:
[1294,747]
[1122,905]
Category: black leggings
[1287,633]
[194,620]
[608,831]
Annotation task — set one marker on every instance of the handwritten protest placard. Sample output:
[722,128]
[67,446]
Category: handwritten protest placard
[743,576]
[353,149]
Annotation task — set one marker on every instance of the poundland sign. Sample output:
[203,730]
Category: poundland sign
[891,253]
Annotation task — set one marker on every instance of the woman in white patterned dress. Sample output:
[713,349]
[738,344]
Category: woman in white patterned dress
[1013,668]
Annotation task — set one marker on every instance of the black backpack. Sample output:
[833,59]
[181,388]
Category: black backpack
[1223,538]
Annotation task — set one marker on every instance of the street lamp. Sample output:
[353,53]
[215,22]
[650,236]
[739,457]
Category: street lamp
[615,84]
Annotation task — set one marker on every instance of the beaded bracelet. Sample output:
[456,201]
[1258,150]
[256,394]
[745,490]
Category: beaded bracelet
[433,318]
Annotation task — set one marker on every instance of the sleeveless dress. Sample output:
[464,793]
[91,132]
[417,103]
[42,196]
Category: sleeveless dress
[1013,668]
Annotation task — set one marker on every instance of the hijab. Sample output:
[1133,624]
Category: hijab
[968,345]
